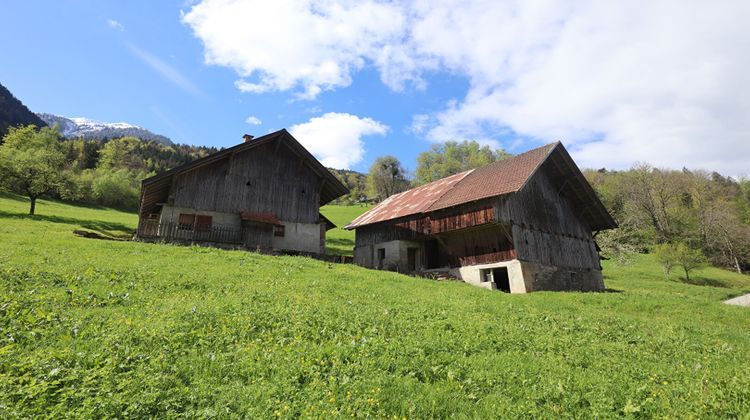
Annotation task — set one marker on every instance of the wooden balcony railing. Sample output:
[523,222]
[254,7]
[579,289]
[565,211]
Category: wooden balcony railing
[169,231]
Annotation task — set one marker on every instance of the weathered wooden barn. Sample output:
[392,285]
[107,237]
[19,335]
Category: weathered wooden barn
[521,224]
[263,194]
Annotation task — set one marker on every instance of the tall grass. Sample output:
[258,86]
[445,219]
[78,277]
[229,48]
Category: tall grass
[92,328]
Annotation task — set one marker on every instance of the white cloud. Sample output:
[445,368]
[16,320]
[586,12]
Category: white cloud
[336,138]
[308,46]
[618,82]
[115,25]
[253,120]
[164,69]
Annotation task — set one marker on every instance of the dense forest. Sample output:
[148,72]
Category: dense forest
[702,210]
[14,113]
[106,172]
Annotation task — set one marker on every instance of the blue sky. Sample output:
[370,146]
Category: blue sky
[617,84]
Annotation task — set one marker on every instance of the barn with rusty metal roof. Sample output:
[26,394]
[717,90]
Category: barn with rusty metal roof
[520,224]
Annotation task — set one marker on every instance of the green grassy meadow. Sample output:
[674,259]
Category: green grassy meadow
[338,240]
[95,328]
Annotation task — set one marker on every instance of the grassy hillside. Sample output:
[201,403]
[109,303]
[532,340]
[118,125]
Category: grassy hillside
[117,328]
[338,240]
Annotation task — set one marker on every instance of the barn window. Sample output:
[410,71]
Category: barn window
[203,223]
[186,221]
[278,230]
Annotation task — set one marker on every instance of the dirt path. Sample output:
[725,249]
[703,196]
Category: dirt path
[743,300]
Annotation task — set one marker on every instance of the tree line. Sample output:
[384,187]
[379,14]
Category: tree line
[387,176]
[676,212]
[687,217]
[39,162]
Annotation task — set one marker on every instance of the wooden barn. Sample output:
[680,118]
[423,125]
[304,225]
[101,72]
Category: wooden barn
[263,194]
[521,224]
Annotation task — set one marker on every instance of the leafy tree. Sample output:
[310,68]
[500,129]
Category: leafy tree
[452,157]
[32,162]
[386,177]
[689,259]
[356,183]
[122,153]
[116,188]
[667,255]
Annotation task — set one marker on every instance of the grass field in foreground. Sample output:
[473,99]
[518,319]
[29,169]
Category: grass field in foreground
[107,328]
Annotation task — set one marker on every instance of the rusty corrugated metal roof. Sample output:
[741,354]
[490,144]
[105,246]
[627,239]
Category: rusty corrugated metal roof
[413,201]
[498,178]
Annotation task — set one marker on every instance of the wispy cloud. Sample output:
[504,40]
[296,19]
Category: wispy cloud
[253,120]
[115,25]
[165,70]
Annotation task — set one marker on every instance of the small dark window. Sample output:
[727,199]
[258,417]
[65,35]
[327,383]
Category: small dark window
[186,221]
[278,230]
[203,223]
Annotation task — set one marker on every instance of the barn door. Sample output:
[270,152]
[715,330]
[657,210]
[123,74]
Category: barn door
[411,259]
[257,235]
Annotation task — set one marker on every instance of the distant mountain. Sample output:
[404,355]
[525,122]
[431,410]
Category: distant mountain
[97,130]
[13,112]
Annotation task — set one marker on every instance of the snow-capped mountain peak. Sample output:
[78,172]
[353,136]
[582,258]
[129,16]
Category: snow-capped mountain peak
[92,129]
[89,124]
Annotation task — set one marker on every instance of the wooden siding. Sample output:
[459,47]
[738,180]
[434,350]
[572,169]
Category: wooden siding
[465,219]
[538,224]
[458,218]
[546,227]
[476,246]
[267,179]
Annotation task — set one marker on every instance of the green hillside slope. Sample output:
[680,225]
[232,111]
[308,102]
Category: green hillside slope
[123,329]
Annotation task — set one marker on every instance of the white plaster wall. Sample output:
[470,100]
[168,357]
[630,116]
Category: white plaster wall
[170,214]
[303,237]
[396,255]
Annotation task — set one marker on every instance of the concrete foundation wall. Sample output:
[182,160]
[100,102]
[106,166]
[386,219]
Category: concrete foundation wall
[528,277]
[396,256]
[303,237]
[170,214]
[472,274]
[545,277]
[523,276]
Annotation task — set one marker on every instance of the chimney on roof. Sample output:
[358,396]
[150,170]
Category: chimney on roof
[247,138]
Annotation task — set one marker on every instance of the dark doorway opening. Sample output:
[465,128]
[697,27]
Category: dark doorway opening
[381,257]
[432,254]
[411,259]
[502,281]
